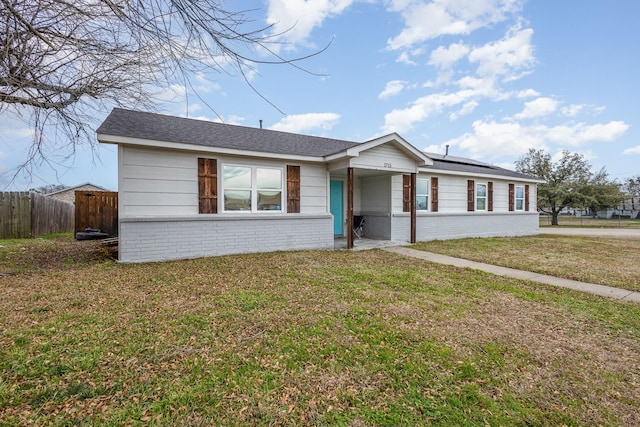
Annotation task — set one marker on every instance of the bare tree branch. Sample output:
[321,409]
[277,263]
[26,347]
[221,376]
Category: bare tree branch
[62,62]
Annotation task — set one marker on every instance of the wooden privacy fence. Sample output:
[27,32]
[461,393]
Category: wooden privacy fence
[97,210]
[28,214]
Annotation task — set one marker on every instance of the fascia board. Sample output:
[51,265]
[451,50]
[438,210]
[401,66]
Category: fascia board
[404,145]
[479,175]
[123,140]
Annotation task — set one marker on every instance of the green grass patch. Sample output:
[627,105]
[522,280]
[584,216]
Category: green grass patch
[309,338]
[606,261]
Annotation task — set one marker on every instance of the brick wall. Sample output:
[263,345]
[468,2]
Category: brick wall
[458,226]
[159,239]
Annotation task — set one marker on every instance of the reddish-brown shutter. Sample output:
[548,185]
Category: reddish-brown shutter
[434,194]
[512,197]
[207,186]
[293,189]
[471,195]
[406,193]
[526,198]
[490,196]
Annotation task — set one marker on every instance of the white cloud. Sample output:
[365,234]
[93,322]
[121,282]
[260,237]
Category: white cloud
[471,89]
[514,139]
[402,120]
[404,59]
[506,56]
[580,133]
[428,20]
[507,139]
[392,88]
[632,150]
[294,20]
[304,122]
[537,108]
[527,93]
[445,57]
[467,108]
[572,110]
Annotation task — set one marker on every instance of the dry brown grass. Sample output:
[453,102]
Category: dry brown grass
[606,261]
[305,338]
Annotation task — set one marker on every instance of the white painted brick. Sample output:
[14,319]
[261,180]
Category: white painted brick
[167,238]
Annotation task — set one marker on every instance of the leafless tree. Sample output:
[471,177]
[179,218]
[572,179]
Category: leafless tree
[65,61]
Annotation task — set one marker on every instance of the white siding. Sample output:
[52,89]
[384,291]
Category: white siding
[382,157]
[452,194]
[313,189]
[157,182]
[500,196]
[396,193]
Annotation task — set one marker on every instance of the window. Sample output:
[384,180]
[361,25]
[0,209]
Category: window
[422,194]
[252,189]
[481,197]
[519,198]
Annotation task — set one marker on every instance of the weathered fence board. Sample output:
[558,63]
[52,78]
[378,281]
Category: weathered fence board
[15,215]
[49,215]
[97,210]
[24,214]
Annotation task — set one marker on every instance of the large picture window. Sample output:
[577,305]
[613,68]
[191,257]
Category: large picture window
[422,194]
[252,188]
[481,197]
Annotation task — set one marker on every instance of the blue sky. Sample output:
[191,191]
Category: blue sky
[490,78]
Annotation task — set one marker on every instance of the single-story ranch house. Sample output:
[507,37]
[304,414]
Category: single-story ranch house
[192,188]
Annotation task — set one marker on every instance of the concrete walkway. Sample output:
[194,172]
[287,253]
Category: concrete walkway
[602,290]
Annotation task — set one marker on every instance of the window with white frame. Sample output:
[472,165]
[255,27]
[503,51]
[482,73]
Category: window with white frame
[481,197]
[422,194]
[252,188]
[519,198]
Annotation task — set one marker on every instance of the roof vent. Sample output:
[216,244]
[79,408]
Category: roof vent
[260,123]
[446,153]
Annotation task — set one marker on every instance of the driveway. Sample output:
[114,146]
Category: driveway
[618,233]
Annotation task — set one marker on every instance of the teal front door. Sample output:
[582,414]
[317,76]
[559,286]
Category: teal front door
[335,206]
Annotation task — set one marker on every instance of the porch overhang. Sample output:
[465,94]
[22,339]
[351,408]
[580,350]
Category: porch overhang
[387,154]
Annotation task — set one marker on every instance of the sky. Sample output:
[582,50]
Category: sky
[489,78]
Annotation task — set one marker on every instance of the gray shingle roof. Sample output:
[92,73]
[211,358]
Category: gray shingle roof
[159,127]
[461,164]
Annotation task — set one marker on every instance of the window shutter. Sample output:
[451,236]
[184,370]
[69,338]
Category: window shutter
[406,193]
[512,197]
[490,196]
[434,194]
[293,189]
[471,203]
[526,198]
[207,186]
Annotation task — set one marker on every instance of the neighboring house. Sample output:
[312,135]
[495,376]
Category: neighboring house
[68,195]
[191,188]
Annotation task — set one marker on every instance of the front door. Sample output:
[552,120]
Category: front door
[336,206]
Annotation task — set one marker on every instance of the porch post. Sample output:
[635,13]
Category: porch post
[349,208]
[413,208]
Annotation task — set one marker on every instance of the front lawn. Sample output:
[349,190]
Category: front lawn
[606,261]
[303,338]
